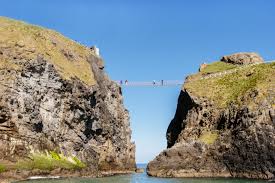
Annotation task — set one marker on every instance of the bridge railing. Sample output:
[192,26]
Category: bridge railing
[151,83]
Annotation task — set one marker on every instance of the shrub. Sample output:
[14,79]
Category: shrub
[55,155]
[79,163]
[50,161]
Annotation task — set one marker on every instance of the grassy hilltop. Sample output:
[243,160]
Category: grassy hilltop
[232,87]
[25,42]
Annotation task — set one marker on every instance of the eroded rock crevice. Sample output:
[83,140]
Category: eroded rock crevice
[185,103]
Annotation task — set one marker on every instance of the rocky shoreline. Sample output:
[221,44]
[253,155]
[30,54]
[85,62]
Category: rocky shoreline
[13,176]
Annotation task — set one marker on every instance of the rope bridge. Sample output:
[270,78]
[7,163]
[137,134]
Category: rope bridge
[151,83]
[180,82]
[163,83]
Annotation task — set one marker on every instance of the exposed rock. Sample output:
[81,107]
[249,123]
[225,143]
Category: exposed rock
[202,66]
[139,170]
[46,107]
[243,58]
[206,139]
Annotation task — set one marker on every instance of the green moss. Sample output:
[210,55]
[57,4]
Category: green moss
[2,168]
[208,137]
[68,57]
[231,88]
[217,67]
[50,161]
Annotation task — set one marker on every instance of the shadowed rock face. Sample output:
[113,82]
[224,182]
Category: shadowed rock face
[238,143]
[205,140]
[185,103]
[42,111]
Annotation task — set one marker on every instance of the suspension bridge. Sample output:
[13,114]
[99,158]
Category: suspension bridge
[171,83]
[180,82]
[151,83]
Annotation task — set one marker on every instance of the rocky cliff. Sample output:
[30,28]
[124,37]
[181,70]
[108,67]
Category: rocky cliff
[224,125]
[58,105]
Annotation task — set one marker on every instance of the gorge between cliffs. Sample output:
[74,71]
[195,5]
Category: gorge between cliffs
[61,115]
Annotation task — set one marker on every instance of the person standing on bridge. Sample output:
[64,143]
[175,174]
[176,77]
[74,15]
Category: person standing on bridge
[162,82]
[126,82]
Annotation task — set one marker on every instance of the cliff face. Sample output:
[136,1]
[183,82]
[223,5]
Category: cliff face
[224,126]
[55,97]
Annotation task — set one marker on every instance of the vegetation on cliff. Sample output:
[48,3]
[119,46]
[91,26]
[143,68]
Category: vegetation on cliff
[231,87]
[55,96]
[224,122]
[26,42]
[216,67]
[208,137]
[49,161]
[2,168]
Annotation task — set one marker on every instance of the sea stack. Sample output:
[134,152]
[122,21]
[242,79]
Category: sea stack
[224,125]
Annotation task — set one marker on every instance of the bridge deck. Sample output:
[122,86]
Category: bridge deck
[148,83]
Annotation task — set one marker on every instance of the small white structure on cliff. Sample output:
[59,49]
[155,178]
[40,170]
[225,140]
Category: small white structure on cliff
[95,50]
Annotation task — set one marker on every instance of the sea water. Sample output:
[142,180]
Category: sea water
[143,178]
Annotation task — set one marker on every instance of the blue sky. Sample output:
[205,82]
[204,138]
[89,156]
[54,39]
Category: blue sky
[154,40]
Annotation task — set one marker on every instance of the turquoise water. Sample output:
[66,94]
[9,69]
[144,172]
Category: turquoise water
[143,178]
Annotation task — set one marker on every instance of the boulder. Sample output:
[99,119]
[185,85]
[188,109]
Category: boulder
[243,58]
[202,66]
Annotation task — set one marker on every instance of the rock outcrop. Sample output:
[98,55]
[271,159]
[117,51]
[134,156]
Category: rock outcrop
[55,96]
[243,58]
[202,66]
[223,127]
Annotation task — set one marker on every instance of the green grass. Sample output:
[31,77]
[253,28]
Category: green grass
[217,67]
[49,161]
[78,163]
[208,137]
[230,88]
[2,168]
[27,41]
